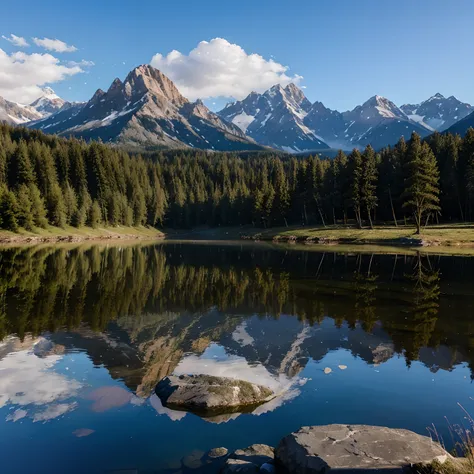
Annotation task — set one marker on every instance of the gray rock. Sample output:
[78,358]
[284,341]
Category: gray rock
[209,394]
[194,460]
[268,468]
[257,454]
[355,449]
[242,467]
[217,453]
[249,460]
[45,347]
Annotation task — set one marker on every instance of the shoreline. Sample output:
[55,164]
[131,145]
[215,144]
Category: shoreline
[444,238]
[55,235]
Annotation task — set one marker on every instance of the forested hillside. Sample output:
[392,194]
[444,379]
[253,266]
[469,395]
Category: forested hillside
[49,180]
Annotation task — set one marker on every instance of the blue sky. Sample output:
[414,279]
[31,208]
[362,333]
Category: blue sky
[346,50]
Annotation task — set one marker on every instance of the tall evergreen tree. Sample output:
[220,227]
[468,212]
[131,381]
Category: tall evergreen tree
[354,195]
[421,193]
[368,188]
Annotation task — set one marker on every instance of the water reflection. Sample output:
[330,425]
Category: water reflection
[28,379]
[139,310]
[86,332]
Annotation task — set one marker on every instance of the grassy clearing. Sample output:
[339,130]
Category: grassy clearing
[73,234]
[442,235]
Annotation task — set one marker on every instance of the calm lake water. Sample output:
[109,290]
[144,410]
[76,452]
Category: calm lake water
[86,332]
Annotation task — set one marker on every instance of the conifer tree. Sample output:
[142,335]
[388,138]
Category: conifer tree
[38,210]
[368,189]
[281,202]
[354,197]
[24,212]
[21,170]
[8,210]
[95,217]
[421,195]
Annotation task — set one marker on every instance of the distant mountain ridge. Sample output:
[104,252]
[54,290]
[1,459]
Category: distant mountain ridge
[47,104]
[147,110]
[438,113]
[286,119]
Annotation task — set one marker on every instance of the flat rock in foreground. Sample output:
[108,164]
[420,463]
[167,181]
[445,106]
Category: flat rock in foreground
[209,394]
[355,449]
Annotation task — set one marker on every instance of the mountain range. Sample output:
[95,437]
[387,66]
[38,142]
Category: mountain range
[147,111]
[286,120]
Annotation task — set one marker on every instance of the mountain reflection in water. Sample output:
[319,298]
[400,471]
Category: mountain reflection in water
[89,331]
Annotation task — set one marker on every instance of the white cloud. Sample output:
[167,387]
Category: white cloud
[29,385]
[30,380]
[220,69]
[21,74]
[16,40]
[54,45]
[54,411]
[82,63]
[17,415]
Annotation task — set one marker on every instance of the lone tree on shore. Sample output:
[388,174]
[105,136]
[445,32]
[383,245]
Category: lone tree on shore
[421,193]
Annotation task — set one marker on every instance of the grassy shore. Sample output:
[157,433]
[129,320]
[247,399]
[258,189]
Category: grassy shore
[73,234]
[458,235]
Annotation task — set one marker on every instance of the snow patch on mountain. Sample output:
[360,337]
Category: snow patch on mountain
[243,120]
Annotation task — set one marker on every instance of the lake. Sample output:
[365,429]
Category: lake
[87,331]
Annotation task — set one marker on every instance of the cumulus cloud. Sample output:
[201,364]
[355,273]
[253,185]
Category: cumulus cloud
[221,69]
[54,45]
[16,40]
[21,74]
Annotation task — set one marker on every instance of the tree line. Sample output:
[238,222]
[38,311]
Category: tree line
[51,180]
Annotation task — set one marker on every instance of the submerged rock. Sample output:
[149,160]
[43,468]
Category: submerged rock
[250,460]
[358,448]
[217,453]
[257,454]
[238,466]
[209,394]
[44,348]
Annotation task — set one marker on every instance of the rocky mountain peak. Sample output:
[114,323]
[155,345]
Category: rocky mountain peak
[116,84]
[438,112]
[48,103]
[48,93]
[147,110]
[99,93]
[378,107]
[297,95]
[146,78]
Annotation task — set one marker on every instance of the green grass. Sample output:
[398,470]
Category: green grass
[55,234]
[440,235]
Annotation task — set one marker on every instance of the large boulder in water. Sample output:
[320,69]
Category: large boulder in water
[355,449]
[207,394]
